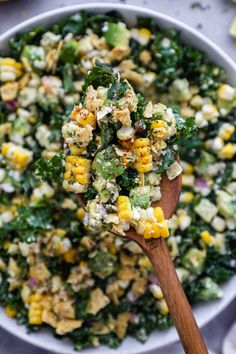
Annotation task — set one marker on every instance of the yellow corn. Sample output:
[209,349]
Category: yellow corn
[226,131]
[18,156]
[164,231]
[35,309]
[162,307]
[187,168]
[228,151]
[76,150]
[206,237]
[158,213]
[83,117]
[186,197]
[70,256]
[143,155]
[77,169]
[226,92]
[145,32]
[10,70]
[151,230]
[124,208]
[158,129]
[80,213]
[10,312]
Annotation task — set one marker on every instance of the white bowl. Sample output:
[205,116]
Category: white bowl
[203,312]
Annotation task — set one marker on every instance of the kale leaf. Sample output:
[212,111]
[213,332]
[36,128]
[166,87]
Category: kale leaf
[50,170]
[100,74]
[128,180]
[117,90]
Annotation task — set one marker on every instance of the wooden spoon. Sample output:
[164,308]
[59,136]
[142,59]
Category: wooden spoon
[157,252]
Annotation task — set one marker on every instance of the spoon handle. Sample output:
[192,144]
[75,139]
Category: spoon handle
[180,310]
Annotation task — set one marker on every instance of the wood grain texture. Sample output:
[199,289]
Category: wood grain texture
[158,253]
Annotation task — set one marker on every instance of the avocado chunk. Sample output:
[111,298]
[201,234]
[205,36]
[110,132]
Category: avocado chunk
[205,161]
[70,51]
[117,35]
[140,197]
[208,290]
[107,164]
[194,260]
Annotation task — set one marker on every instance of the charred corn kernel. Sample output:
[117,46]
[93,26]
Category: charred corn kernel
[164,231]
[35,309]
[145,263]
[70,256]
[10,70]
[186,197]
[151,230]
[80,214]
[126,143]
[158,213]
[162,307]
[156,291]
[228,151]
[10,312]
[9,91]
[226,92]
[226,131]
[77,170]
[112,248]
[206,237]
[83,117]
[158,129]
[76,150]
[141,147]
[18,156]
[124,208]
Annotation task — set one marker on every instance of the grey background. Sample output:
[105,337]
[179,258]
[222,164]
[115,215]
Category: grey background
[213,18]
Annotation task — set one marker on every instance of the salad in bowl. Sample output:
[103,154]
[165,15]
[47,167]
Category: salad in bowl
[96,287]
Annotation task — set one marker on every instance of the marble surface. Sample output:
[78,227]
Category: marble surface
[211,17]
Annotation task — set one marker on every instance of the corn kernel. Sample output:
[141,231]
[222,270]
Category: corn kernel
[158,213]
[228,151]
[226,92]
[226,131]
[80,214]
[206,237]
[10,312]
[164,231]
[158,129]
[156,291]
[70,256]
[186,197]
[162,307]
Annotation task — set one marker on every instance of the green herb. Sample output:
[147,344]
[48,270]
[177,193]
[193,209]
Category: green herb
[128,180]
[117,90]
[50,170]
[101,73]
[90,193]
[68,77]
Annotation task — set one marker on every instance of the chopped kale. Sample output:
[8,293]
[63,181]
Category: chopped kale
[101,73]
[50,170]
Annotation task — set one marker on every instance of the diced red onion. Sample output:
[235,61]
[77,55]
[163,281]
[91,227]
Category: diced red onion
[200,183]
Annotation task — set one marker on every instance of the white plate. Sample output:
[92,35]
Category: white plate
[203,312]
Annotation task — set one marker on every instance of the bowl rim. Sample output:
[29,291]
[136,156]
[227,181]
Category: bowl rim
[138,10]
